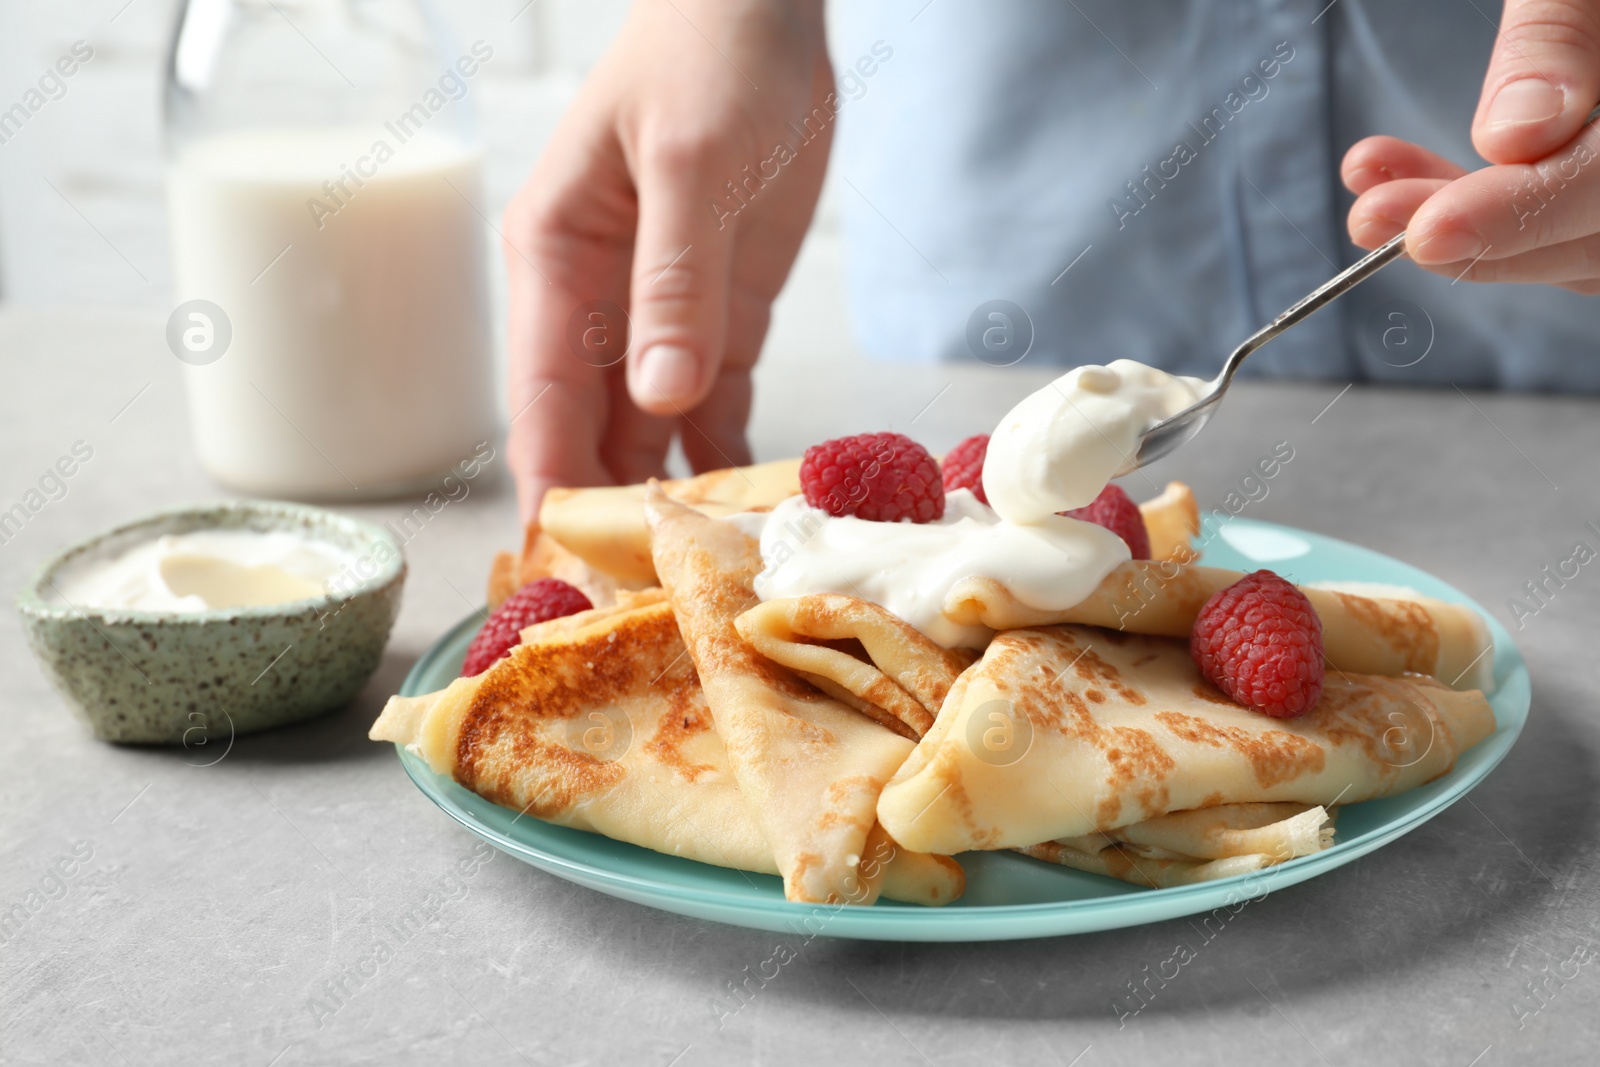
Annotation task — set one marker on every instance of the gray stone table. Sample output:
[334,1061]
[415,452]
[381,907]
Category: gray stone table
[217,904]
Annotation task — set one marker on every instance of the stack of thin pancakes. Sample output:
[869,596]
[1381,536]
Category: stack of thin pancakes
[826,741]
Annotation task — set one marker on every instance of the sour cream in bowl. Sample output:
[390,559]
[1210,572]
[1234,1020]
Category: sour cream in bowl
[207,622]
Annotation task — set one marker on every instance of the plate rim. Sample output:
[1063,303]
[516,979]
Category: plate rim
[939,924]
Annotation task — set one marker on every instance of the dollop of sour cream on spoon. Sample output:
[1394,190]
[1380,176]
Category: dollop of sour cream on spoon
[1060,446]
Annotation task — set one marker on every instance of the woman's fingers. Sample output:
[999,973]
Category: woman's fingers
[1384,210]
[1499,212]
[558,262]
[1373,161]
[634,447]
[629,227]
[713,434]
[1542,81]
[1387,209]
[679,288]
[557,400]
[1567,263]
[553,438]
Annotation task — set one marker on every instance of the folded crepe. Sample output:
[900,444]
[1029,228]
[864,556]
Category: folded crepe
[1172,519]
[857,652]
[604,530]
[1151,873]
[1066,731]
[598,722]
[863,654]
[1196,846]
[605,526]
[544,557]
[809,766]
[1282,831]
[1360,634]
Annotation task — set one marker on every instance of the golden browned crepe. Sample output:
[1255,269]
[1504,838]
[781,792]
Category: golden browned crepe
[869,658]
[1067,731]
[1172,520]
[1152,873]
[606,527]
[1113,756]
[1196,846]
[598,722]
[545,557]
[1282,831]
[626,600]
[858,652]
[604,531]
[1360,635]
[809,766]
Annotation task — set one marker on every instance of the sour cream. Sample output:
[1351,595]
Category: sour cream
[205,570]
[909,568]
[1060,446]
[1053,452]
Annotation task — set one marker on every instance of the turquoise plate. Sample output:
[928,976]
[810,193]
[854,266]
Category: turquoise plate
[1008,896]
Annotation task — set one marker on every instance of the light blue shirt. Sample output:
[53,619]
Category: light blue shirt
[1156,180]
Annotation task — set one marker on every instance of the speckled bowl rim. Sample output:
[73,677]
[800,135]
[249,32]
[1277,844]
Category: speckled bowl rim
[31,602]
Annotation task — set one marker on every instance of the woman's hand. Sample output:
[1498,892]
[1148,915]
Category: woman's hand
[1534,214]
[678,186]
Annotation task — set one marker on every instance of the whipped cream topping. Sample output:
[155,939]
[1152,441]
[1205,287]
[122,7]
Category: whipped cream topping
[204,570]
[909,568]
[1060,446]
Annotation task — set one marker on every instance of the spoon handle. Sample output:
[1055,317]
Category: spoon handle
[1329,290]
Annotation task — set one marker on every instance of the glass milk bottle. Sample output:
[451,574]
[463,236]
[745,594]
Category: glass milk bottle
[329,262]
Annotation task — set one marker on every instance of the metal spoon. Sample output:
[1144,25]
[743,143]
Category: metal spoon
[1169,433]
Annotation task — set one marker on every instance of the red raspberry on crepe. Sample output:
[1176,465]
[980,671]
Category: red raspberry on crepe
[1260,641]
[882,477]
[1117,512]
[540,600]
[963,466]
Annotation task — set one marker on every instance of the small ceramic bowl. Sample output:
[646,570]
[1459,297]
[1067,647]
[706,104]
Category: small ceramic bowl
[189,677]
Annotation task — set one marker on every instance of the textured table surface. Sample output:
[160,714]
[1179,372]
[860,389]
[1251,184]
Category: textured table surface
[219,904]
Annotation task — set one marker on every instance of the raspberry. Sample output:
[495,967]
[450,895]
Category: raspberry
[539,601]
[1114,510]
[963,466]
[1260,642]
[883,477]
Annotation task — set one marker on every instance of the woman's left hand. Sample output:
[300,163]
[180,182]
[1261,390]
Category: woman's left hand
[1533,215]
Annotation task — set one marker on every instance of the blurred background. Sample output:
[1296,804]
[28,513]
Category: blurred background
[82,211]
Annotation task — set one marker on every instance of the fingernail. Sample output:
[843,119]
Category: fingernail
[1372,230]
[1524,102]
[668,371]
[1449,246]
[1367,177]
